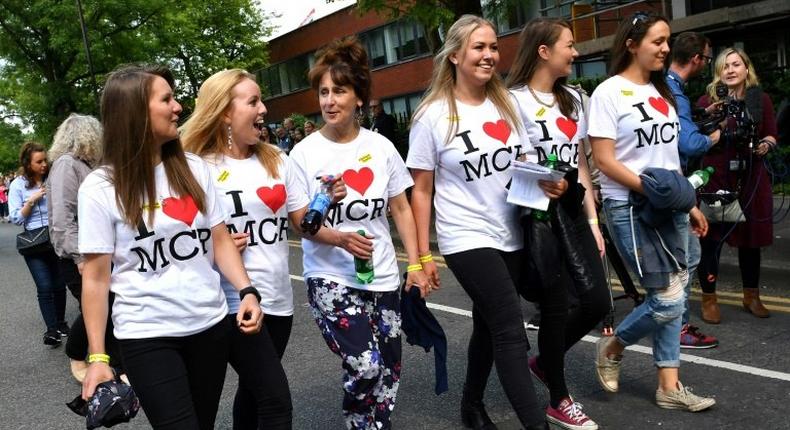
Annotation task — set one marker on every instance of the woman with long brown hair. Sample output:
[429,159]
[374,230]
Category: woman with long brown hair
[633,130]
[553,116]
[27,203]
[150,228]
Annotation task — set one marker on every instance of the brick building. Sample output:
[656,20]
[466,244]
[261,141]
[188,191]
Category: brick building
[401,61]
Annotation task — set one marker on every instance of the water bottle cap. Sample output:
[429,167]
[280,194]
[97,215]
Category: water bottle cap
[361,232]
[710,169]
[552,157]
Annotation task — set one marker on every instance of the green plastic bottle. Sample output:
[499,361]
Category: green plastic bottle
[364,267]
[701,177]
[551,163]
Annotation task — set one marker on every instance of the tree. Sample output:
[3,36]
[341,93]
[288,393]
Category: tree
[43,61]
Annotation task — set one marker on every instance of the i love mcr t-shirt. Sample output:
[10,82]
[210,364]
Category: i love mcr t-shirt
[471,175]
[258,205]
[373,172]
[643,125]
[549,131]
[162,275]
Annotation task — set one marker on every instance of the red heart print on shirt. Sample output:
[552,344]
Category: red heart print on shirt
[659,104]
[499,130]
[567,127]
[182,209]
[273,197]
[358,180]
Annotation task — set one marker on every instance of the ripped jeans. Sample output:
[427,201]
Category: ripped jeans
[660,314]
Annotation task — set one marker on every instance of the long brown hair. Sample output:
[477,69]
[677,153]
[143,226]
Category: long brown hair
[443,78]
[635,28]
[26,158]
[129,148]
[205,134]
[537,32]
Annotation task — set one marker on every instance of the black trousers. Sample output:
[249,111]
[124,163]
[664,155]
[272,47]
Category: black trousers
[490,278]
[263,398]
[708,269]
[179,379]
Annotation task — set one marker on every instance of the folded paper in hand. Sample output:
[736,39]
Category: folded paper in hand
[524,189]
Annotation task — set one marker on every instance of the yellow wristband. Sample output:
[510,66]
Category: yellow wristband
[426,258]
[413,267]
[592,221]
[104,358]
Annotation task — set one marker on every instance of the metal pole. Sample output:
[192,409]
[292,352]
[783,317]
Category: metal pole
[88,53]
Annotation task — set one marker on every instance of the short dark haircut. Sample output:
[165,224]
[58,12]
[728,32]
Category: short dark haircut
[347,63]
[687,45]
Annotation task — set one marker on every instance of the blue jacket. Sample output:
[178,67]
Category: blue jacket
[662,246]
[691,143]
[421,328]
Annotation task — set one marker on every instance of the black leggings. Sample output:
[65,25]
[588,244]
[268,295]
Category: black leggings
[179,379]
[561,328]
[708,269]
[263,398]
[490,277]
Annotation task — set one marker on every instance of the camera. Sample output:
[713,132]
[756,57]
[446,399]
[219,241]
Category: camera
[744,132]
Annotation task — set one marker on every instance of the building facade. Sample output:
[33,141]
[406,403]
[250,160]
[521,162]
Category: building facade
[401,62]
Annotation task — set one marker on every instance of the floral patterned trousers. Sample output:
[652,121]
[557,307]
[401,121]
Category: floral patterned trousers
[363,328]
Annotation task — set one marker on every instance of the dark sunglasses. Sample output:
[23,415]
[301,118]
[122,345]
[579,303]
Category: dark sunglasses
[706,58]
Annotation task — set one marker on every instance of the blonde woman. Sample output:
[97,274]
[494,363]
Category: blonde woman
[252,181]
[463,137]
[750,181]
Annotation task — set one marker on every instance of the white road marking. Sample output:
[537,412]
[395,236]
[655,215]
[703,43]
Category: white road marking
[643,349]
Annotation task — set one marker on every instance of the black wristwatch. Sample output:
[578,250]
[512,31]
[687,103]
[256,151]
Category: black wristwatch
[249,290]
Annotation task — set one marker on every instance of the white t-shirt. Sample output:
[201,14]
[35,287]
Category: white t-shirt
[373,172]
[258,205]
[549,131]
[471,175]
[162,276]
[643,125]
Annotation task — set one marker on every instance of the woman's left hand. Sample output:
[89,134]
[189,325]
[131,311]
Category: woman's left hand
[599,242]
[699,224]
[420,280]
[762,148]
[250,316]
[553,190]
[240,240]
[338,190]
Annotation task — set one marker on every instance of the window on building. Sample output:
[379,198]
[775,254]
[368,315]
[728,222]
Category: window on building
[556,8]
[286,77]
[510,18]
[589,68]
[394,42]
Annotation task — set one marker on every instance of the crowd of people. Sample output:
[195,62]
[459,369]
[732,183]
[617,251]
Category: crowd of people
[174,240]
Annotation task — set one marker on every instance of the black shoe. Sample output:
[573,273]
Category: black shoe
[52,338]
[474,416]
[63,329]
[544,426]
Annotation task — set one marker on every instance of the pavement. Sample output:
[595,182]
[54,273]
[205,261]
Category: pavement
[749,374]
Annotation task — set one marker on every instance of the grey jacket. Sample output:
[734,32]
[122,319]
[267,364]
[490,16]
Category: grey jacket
[65,177]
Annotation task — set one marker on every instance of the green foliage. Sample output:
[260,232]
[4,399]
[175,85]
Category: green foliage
[298,119]
[588,84]
[11,139]
[44,65]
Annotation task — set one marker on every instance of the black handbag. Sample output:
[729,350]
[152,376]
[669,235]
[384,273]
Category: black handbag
[32,242]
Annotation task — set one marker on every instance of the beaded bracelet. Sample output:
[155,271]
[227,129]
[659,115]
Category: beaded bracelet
[413,267]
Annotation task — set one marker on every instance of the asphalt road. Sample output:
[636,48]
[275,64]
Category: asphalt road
[749,374]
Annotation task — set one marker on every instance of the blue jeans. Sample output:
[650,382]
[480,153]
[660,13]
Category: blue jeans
[661,312]
[693,255]
[50,288]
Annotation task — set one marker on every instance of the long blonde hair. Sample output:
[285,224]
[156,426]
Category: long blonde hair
[721,59]
[444,77]
[80,136]
[204,132]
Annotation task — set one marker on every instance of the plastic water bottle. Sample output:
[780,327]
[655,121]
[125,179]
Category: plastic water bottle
[364,267]
[317,209]
[551,163]
[701,177]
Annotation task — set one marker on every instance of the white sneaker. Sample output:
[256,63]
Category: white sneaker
[683,399]
[607,369]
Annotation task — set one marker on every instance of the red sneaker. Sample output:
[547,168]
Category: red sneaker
[692,338]
[569,415]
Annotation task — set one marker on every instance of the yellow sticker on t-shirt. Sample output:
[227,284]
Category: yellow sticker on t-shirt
[223,176]
[455,118]
[627,92]
[365,158]
[153,206]
[540,112]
